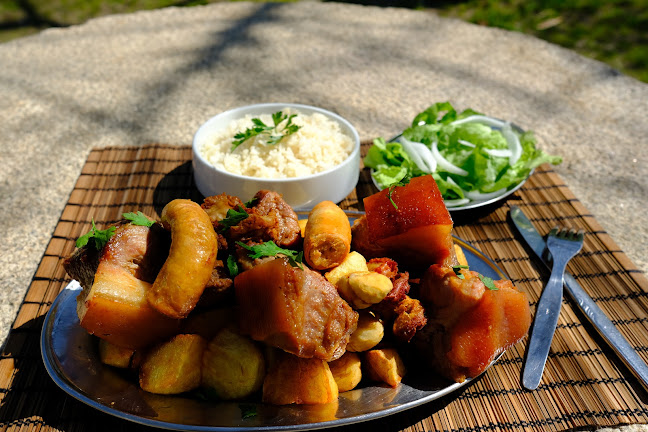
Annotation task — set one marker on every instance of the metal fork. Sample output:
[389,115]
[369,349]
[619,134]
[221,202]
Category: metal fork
[563,244]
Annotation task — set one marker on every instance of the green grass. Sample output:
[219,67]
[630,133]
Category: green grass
[613,32]
[610,31]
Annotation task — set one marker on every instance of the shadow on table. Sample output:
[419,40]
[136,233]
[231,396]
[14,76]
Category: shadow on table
[176,184]
[31,399]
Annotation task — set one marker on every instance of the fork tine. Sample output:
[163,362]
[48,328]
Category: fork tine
[580,235]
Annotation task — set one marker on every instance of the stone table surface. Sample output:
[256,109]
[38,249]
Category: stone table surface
[155,76]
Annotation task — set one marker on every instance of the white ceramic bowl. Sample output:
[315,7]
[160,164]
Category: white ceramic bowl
[300,192]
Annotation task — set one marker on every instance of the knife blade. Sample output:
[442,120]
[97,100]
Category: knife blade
[594,314]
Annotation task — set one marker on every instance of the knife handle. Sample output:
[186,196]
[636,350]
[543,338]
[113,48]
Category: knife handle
[544,326]
[607,330]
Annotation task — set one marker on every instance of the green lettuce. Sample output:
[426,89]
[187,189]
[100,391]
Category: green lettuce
[465,145]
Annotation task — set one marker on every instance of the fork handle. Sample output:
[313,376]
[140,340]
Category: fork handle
[544,326]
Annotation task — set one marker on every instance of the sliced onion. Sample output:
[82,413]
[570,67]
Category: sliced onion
[421,155]
[444,163]
[479,196]
[466,143]
[507,153]
[489,121]
[513,142]
[411,149]
[426,154]
[456,202]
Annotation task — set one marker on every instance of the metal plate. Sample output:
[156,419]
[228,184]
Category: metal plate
[71,359]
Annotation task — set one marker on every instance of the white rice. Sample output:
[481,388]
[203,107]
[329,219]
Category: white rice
[318,145]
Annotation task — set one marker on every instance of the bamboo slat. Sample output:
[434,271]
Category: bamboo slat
[584,384]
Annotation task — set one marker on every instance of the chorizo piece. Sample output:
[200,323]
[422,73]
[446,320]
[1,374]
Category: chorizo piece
[327,237]
[191,259]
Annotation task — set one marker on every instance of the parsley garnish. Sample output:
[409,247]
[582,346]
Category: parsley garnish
[233,217]
[252,202]
[457,271]
[138,218]
[232,266]
[274,134]
[248,411]
[403,182]
[269,248]
[488,282]
[98,237]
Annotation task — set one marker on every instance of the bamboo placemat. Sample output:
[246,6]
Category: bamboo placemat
[584,385]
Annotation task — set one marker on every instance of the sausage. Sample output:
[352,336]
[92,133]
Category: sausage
[327,237]
[192,256]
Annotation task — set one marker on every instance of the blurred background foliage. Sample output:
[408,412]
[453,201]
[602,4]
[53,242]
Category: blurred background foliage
[611,31]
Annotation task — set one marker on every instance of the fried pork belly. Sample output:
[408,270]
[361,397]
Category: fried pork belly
[114,305]
[468,325]
[294,309]
[140,250]
[82,265]
[409,223]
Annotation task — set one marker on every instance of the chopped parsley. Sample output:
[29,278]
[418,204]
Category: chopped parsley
[269,248]
[232,266]
[138,218]
[457,270]
[98,238]
[252,202]
[488,282]
[273,132]
[393,186]
[233,217]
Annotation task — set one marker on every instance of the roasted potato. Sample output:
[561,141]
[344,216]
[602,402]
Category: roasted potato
[296,380]
[114,355]
[384,365]
[368,334]
[233,365]
[173,366]
[347,371]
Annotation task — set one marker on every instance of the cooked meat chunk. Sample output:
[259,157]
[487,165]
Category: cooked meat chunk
[82,265]
[386,309]
[294,309]
[217,207]
[219,289]
[142,251]
[115,307]
[468,324]
[270,218]
[384,266]
[243,259]
[410,318]
[286,231]
[363,242]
